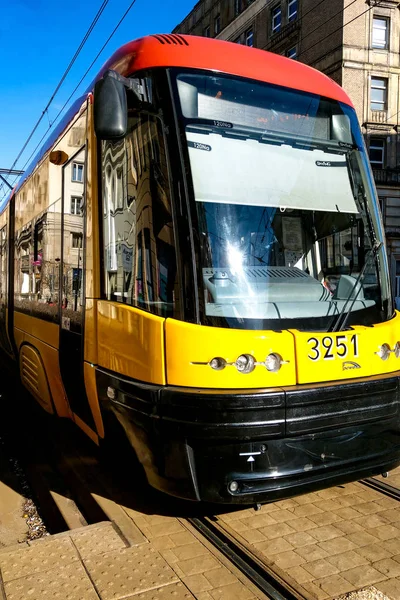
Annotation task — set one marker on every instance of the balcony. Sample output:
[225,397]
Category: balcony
[387,176]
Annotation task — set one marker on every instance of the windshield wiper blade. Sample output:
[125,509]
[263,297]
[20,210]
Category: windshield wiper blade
[343,313]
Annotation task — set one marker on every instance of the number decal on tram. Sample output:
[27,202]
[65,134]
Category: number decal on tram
[331,347]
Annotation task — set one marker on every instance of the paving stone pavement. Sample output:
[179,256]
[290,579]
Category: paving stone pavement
[326,544]
[97,563]
[330,542]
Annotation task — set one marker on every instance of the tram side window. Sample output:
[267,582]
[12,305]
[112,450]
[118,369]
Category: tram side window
[4,270]
[46,263]
[23,269]
[139,247]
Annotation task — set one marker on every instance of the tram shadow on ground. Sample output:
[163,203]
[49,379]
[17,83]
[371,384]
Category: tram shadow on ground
[58,459]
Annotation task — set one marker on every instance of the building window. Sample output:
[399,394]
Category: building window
[207,32]
[217,24]
[77,240]
[76,205]
[292,10]
[249,38]
[77,172]
[377,153]
[238,41]
[237,5]
[292,53]
[276,19]
[380,29]
[378,93]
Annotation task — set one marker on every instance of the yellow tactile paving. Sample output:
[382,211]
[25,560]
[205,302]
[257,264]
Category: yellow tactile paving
[40,556]
[98,563]
[69,583]
[126,572]
[97,540]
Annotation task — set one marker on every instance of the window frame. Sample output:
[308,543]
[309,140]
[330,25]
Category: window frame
[276,11]
[76,236]
[77,202]
[249,34]
[376,46]
[217,24]
[292,16]
[294,54]
[383,104]
[374,164]
[78,165]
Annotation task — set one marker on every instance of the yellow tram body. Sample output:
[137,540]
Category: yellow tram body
[59,326]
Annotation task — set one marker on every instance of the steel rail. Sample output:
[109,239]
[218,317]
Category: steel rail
[381,486]
[246,562]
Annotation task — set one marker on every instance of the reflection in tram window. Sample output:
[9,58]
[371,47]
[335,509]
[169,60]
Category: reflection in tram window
[73,250]
[139,252]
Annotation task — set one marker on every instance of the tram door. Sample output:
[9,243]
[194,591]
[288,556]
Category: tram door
[72,286]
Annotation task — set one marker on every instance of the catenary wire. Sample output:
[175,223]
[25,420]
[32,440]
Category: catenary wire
[339,29]
[76,87]
[133,2]
[67,70]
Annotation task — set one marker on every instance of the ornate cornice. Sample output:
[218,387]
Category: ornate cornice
[384,3]
[383,127]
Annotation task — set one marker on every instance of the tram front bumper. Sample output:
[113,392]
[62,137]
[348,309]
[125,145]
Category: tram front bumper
[249,446]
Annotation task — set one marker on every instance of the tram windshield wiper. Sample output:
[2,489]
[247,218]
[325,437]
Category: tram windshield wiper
[344,314]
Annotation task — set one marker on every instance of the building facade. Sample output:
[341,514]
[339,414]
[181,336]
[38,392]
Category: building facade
[355,43]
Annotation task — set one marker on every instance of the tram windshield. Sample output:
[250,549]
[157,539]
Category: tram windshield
[289,229]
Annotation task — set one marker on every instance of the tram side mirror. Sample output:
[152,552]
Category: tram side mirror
[341,129]
[110,109]
[110,105]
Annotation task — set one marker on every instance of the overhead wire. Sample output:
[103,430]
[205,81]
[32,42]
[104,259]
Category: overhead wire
[63,77]
[129,8]
[340,28]
[323,24]
[77,86]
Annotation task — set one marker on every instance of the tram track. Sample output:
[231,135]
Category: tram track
[255,570]
[382,487]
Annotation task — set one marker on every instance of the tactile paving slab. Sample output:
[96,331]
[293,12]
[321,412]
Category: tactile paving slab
[41,556]
[68,583]
[130,571]
[97,540]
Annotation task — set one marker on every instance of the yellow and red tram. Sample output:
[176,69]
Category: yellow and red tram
[198,250]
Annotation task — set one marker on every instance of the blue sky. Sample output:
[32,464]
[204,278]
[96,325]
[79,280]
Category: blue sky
[38,38]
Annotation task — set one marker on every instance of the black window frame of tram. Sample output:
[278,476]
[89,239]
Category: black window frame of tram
[181,215]
[302,324]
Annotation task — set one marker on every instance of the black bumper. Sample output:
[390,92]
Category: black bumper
[273,443]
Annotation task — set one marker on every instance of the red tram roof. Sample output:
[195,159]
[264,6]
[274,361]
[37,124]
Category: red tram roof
[173,50]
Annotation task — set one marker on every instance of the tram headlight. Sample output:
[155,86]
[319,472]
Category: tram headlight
[245,363]
[273,362]
[384,352]
[217,363]
[233,486]
[397,350]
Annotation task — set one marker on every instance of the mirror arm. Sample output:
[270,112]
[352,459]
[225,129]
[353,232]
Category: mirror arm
[130,84]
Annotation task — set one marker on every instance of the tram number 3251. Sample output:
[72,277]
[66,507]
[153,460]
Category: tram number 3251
[328,348]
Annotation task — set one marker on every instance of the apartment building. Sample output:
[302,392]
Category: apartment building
[356,43]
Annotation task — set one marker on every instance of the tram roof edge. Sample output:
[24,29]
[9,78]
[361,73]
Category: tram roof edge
[176,50]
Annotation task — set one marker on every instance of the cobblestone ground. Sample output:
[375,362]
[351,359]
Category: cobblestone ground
[330,542]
